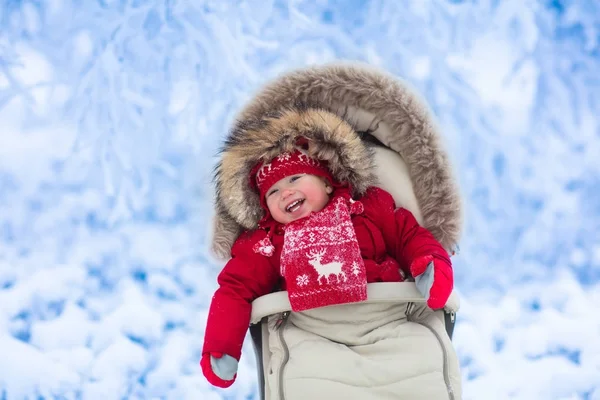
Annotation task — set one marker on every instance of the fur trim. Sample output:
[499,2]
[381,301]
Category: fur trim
[328,105]
[262,138]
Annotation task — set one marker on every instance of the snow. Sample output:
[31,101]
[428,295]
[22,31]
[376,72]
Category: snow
[111,117]
[544,334]
[27,372]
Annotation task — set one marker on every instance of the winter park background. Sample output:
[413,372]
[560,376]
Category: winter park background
[112,111]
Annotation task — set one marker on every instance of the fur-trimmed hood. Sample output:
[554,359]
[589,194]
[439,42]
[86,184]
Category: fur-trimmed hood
[333,106]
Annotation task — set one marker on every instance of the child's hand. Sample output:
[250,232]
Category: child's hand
[219,369]
[434,280]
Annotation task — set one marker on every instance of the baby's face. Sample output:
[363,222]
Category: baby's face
[296,196]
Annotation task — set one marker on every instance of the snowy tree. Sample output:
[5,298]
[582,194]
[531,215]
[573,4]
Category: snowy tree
[112,113]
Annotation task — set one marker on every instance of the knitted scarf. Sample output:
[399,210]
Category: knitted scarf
[321,260]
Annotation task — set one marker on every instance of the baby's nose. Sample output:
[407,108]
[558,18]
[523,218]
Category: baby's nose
[286,193]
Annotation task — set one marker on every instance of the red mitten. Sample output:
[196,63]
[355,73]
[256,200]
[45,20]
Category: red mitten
[434,280]
[219,369]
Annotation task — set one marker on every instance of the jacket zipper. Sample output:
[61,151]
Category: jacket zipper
[409,309]
[280,325]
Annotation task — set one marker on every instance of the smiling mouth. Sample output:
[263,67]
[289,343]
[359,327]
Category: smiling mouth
[294,206]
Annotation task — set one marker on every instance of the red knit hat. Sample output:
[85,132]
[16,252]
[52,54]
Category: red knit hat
[264,175]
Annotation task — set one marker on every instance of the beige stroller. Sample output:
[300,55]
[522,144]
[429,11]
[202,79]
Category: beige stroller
[411,164]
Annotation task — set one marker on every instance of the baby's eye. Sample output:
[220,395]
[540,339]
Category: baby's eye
[271,192]
[295,178]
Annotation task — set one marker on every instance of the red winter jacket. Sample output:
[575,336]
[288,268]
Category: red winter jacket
[384,234]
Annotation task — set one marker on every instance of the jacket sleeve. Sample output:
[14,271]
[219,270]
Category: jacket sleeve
[244,278]
[413,241]
[405,239]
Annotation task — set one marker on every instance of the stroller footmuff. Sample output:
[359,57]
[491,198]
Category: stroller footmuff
[402,296]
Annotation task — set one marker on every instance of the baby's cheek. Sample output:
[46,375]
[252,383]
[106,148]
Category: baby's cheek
[272,207]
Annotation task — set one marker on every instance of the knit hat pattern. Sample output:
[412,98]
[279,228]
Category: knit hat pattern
[286,164]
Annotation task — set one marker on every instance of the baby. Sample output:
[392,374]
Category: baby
[322,246]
